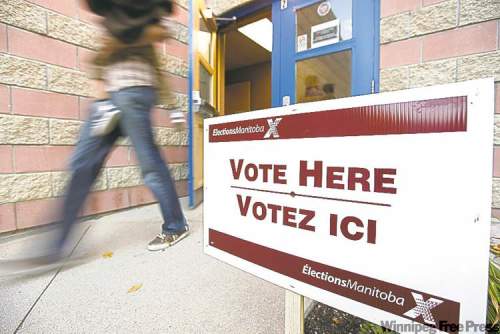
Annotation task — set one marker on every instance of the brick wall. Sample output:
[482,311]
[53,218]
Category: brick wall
[428,42]
[44,94]
[221,6]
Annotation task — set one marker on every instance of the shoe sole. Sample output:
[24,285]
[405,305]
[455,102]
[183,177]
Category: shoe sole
[182,236]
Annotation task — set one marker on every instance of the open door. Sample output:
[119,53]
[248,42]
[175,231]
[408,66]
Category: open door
[204,89]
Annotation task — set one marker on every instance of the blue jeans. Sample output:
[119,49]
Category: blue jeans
[136,104]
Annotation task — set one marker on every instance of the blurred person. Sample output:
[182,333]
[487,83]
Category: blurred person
[128,84]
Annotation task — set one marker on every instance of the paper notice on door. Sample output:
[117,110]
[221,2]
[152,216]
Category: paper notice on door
[302,43]
[325,34]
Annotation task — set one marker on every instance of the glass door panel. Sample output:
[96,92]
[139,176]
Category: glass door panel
[323,23]
[324,77]
[325,49]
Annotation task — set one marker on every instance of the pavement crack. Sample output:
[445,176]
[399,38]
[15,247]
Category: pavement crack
[50,282]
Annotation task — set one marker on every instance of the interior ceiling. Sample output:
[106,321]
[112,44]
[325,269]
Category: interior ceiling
[241,51]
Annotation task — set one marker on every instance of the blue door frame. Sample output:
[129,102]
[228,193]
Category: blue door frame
[364,46]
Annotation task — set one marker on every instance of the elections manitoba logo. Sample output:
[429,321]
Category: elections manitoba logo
[257,130]
[273,128]
[423,308]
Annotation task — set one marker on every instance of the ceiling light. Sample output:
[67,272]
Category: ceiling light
[261,32]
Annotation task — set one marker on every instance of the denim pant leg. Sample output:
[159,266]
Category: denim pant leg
[85,164]
[136,104]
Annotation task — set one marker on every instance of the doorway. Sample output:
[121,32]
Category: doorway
[247,60]
[278,53]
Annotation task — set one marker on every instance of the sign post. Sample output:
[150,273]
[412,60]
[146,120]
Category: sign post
[294,313]
[359,203]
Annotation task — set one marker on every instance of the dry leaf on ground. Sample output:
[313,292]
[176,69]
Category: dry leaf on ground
[134,288]
[107,255]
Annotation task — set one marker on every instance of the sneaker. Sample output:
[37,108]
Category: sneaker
[107,117]
[163,240]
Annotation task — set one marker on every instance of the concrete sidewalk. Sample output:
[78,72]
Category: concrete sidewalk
[181,289]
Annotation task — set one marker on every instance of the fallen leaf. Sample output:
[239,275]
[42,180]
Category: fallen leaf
[134,288]
[107,255]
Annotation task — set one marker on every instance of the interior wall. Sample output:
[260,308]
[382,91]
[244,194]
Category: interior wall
[259,76]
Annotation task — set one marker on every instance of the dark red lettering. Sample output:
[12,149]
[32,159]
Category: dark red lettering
[331,177]
[274,212]
[358,176]
[251,168]
[263,210]
[289,216]
[381,180]
[265,171]
[236,169]
[344,228]
[309,215]
[279,174]
[244,206]
[333,224]
[372,231]
[316,173]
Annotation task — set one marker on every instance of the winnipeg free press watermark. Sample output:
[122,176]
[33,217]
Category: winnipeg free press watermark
[468,326]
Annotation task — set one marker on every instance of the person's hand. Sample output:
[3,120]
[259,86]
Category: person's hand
[154,33]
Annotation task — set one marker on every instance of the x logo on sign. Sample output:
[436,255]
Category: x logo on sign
[423,308]
[273,128]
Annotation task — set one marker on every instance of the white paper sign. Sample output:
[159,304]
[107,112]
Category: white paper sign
[302,43]
[325,34]
[377,205]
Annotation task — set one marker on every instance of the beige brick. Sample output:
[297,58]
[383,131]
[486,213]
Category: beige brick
[124,177]
[182,102]
[67,81]
[183,3]
[497,129]
[179,171]
[170,137]
[183,33]
[175,101]
[23,130]
[434,18]
[221,6]
[433,73]
[64,132]
[21,72]
[472,11]
[24,187]
[174,65]
[496,192]
[179,31]
[479,66]
[72,30]
[394,28]
[60,181]
[394,79]
[23,14]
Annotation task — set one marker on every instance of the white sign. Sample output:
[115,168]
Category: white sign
[325,34]
[324,8]
[377,205]
[302,43]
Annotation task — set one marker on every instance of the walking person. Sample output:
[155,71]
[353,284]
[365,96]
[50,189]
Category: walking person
[128,84]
